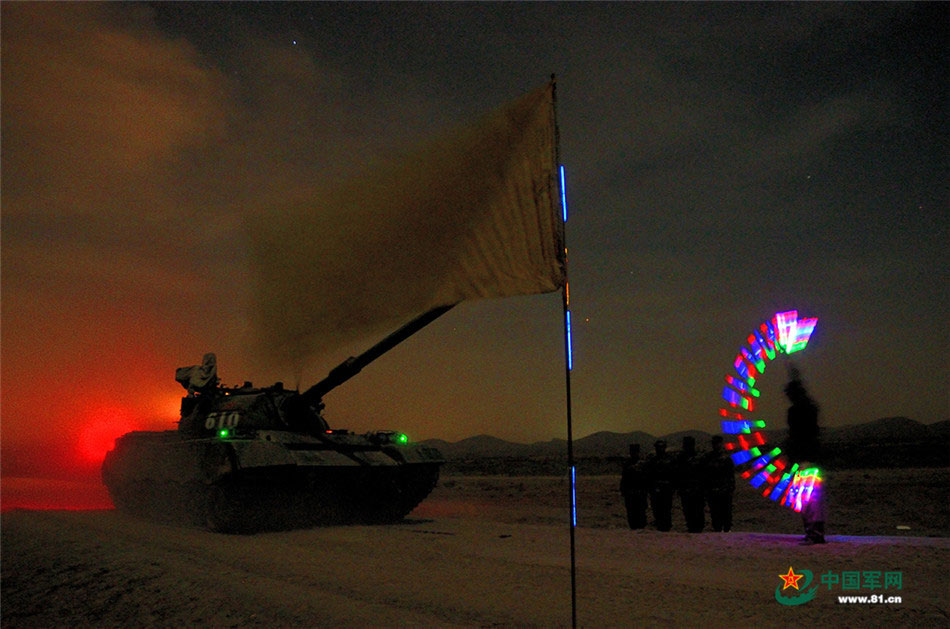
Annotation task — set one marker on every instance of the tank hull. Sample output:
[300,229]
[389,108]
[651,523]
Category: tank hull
[270,480]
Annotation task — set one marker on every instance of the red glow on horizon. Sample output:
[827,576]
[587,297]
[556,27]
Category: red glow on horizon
[99,430]
[44,494]
[171,408]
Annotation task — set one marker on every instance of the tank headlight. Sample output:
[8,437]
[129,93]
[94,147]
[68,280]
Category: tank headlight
[401,438]
[224,433]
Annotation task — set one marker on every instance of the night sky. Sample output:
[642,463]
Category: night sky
[724,161]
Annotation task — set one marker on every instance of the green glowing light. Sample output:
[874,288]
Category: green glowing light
[223,433]
[401,438]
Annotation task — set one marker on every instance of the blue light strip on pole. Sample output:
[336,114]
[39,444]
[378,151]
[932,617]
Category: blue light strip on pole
[574,496]
[563,196]
[570,350]
[570,358]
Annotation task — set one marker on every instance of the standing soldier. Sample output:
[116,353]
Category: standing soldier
[720,486]
[661,471]
[803,448]
[633,486]
[689,483]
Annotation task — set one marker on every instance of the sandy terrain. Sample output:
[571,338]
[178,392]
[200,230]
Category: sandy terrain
[861,502]
[481,551]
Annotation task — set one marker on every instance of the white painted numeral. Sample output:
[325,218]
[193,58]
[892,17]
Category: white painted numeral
[222,419]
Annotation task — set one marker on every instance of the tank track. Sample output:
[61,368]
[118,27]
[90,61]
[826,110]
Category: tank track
[270,499]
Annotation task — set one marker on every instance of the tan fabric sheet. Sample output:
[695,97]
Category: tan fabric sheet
[471,215]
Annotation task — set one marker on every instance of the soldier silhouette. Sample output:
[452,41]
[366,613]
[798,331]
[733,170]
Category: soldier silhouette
[634,488]
[803,448]
[661,474]
[689,484]
[720,485]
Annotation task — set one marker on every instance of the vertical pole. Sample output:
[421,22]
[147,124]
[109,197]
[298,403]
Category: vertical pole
[568,355]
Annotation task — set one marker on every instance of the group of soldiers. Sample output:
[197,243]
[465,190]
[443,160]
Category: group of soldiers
[699,479]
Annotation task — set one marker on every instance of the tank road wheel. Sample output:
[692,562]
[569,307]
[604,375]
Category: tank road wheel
[120,499]
[398,495]
[224,510]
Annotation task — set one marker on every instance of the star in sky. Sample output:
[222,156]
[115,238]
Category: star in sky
[791,579]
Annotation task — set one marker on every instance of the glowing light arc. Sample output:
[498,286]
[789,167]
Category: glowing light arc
[766,469]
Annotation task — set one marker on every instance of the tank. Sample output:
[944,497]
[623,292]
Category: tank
[247,459]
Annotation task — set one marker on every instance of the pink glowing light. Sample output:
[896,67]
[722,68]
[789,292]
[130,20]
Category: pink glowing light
[793,333]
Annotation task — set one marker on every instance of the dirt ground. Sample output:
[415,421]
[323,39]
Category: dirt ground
[861,502]
[482,552]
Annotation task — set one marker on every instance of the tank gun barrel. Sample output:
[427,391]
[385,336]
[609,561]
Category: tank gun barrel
[354,364]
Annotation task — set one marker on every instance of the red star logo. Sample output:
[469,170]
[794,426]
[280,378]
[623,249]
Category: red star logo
[791,579]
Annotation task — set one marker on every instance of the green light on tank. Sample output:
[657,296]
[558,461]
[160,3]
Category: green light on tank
[223,433]
[401,438]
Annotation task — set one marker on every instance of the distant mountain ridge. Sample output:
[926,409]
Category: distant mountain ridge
[884,432]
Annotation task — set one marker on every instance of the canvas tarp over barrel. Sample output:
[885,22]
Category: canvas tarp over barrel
[471,215]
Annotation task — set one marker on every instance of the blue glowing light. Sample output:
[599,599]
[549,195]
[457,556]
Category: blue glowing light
[570,351]
[573,496]
[759,478]
[763,460]
[735,428]
[736,400]
[781,486]
[743,369]
[563,196]
[740,457]
[758,361]
[742,386]
[761,346]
